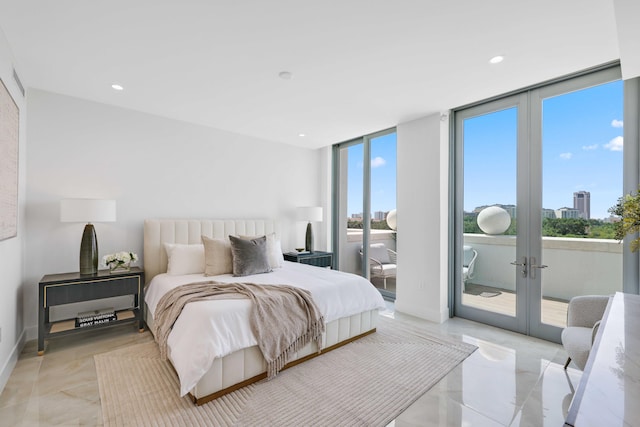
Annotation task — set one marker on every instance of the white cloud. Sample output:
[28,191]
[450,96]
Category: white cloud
[590,147]
[566,156]
[617,123]
[376,162]
[615,144]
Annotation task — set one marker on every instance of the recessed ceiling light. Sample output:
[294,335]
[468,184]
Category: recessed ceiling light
[116,86]
[285,75]
[301,135]
[496,59]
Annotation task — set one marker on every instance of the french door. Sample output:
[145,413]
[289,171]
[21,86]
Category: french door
[535,174]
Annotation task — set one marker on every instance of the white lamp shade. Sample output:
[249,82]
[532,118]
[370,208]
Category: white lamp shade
[87,210]
[310,213]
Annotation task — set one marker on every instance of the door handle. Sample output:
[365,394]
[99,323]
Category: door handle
[534,265]
[523,264]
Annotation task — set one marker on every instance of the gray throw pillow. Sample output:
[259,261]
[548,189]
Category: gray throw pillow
[249,256]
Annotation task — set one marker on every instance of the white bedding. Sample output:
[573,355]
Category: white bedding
[210,329]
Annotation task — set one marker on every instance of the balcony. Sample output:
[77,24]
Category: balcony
[575,267]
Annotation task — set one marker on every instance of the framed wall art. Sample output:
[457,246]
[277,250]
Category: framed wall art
[9,127]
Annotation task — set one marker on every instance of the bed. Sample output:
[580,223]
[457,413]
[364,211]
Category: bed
[218,356]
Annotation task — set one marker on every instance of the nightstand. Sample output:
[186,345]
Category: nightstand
[317,258]
[67,288]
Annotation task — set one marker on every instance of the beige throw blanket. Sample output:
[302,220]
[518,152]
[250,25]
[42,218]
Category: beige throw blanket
[283,318]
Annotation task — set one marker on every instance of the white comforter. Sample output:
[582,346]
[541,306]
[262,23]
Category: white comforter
[210,329]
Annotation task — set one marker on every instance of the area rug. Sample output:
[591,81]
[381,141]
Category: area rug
[368,382]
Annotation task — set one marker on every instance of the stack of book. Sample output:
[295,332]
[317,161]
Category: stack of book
[95,317]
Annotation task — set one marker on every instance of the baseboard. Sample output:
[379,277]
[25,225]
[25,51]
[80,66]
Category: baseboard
[8,366]
[437,316]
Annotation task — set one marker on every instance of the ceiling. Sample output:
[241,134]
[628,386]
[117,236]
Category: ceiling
[358,66]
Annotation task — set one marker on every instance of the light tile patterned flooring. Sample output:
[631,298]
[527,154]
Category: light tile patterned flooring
[511,380]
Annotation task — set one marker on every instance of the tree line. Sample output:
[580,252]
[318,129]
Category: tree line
[556,227]
[375,224]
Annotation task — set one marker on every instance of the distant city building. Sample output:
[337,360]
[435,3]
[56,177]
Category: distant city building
[567,213]
[548,213]
[379,215]
[582,203]
[511,209]
[356,216]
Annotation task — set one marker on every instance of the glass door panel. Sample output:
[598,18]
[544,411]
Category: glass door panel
[581,179]
[382,235]
[489,138]
[490,159]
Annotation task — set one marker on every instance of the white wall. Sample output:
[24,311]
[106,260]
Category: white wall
[11,256]
[422,218]
[152,167]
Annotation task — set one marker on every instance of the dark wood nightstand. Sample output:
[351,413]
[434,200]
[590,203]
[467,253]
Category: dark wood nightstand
[67,288]
[317,258]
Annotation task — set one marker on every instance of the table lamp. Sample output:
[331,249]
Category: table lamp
[88,211]
[309,214]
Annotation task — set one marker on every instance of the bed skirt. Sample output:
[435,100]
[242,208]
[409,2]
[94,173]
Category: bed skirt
[247,366]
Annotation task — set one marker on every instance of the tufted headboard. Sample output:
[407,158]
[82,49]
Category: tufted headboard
[157,232]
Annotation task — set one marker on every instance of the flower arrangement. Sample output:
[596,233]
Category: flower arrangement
[628,209]
[119,261]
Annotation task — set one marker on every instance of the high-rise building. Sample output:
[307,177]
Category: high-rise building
[379,215]
[582,202]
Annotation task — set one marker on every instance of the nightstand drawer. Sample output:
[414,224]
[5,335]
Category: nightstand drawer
[316,258]
[320,261]
[67,293]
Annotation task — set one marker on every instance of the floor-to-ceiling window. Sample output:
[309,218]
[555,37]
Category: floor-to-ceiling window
[364,185]
[536,173]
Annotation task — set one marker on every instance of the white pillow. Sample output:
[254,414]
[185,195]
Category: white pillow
[274,249]
[184,259]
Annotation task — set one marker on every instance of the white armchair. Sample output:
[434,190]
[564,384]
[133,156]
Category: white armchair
[583,320]
[382,262]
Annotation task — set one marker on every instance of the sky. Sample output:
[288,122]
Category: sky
[383,175]
[581,150]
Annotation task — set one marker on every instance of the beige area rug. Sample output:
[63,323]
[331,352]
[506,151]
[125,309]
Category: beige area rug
[368,382]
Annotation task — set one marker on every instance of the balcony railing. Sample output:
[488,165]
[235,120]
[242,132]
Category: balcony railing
[575,267]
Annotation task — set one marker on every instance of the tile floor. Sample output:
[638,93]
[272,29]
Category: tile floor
[511,380]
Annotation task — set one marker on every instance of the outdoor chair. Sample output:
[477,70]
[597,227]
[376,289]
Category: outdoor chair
[468,264]
[382,262]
